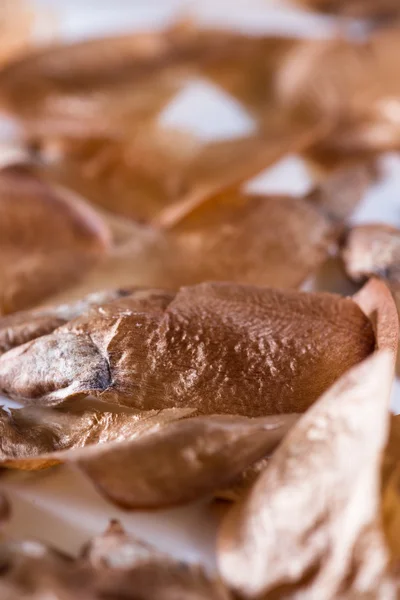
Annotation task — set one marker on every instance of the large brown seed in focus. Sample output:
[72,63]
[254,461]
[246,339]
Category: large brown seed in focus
[216,347]
[48,239]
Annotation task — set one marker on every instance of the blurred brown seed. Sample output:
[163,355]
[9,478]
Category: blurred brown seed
[129,569]
[160,170]
[370,9]
[108,86]
[48,239]
[231,235]
[136,570]
[354,84]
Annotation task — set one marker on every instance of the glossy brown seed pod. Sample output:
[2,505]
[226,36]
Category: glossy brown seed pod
[216,347]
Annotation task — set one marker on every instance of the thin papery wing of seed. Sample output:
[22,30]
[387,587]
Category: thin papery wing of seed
[140,257]
[48,239]
[315,505]
[39,438]
[180,463]
[215,347]
[123,563]
[267,240]
[100,86]
[376,301]
[26,325]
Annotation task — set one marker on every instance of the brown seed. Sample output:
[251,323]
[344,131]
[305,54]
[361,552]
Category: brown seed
[217,347]
[182,462]
[38,438]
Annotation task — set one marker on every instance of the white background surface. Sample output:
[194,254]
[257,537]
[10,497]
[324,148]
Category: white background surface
[58,505]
